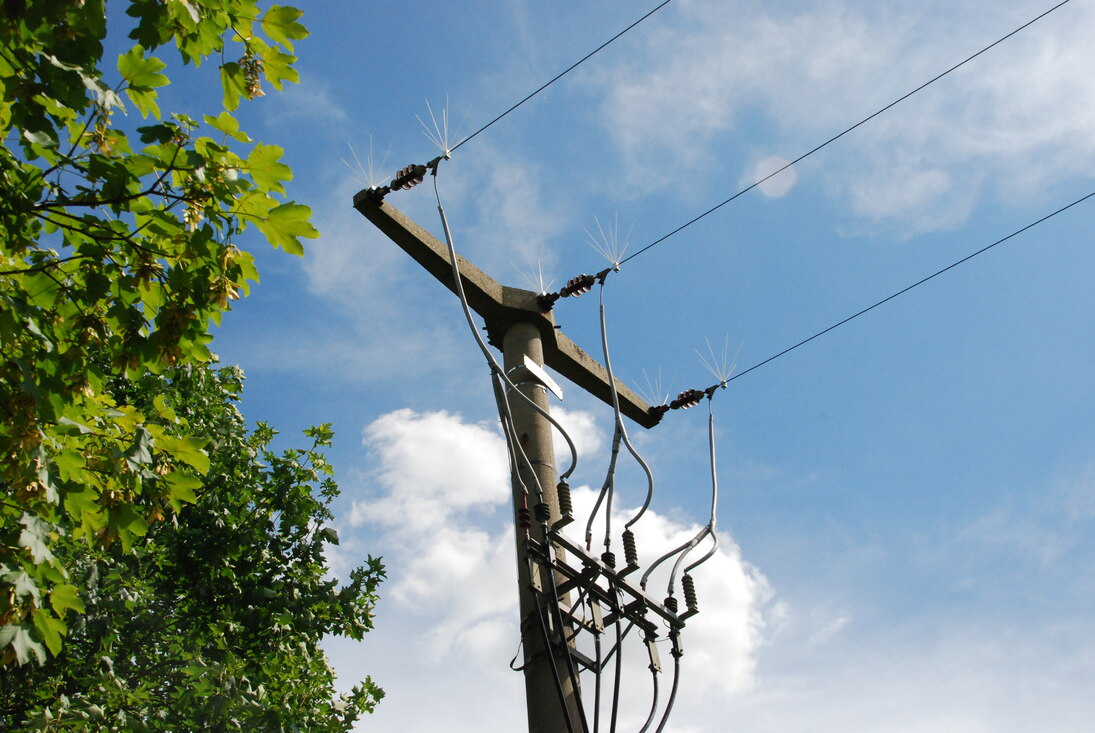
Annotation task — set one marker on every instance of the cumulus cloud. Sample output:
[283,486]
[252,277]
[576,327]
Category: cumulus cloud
[433,467]
[442,509]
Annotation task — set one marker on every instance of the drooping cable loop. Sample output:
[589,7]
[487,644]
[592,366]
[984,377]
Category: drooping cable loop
[496,369]
[619,438]
[708,530]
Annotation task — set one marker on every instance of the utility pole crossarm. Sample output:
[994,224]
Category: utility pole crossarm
[501,307]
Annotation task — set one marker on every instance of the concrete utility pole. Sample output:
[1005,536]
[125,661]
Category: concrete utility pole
[518,326]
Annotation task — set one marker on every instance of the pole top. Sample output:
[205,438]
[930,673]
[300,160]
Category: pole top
[502,306]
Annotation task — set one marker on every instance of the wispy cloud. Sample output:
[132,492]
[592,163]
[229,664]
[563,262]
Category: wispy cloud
[1010,124]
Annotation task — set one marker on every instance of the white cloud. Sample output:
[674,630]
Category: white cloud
[432,467]
[1012,123]
[449,551]
[583,430]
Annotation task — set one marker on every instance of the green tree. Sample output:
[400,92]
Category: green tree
[213,621]
[119,242]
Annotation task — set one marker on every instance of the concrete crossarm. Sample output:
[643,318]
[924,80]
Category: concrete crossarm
[502,306]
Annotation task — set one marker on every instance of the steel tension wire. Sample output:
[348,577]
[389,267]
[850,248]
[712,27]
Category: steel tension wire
[841,134]
[916,284]
[566,71]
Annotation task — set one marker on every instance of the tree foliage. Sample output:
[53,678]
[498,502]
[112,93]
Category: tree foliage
[212,622]
[120,227]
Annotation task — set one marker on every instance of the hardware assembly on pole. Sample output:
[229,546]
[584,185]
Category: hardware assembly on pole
[501,306]
[569,599]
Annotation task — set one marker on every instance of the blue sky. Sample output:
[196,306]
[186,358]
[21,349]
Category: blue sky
[908,501]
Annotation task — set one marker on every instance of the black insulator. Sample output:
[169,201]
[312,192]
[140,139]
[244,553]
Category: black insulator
[524,517]
[690,598]
[686,399]
[566,503]
[578,285]
[608,558]
[671,604]
[409,177]
[631,553]
[543,513]
[657,412]
[377,193]
[546,301]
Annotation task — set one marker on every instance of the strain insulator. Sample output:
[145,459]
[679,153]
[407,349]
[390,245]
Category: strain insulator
[524,518]
[566,504]
[543,513]
[578,285]
[409,177]
[608,558]
[686,399]
[671,604]
[631,553]
[690,598]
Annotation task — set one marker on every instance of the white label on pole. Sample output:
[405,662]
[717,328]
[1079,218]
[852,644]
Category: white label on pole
[544,378]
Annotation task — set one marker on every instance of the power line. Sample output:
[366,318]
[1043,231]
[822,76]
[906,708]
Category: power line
[910,287]
[566,71]
[836,137]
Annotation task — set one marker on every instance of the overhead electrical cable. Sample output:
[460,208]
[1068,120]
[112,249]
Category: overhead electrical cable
[836,137]
[619,436]
[904,290]
[563,73]
[496,369]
